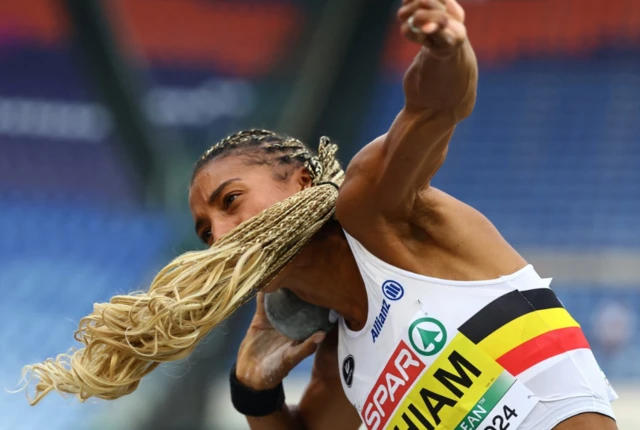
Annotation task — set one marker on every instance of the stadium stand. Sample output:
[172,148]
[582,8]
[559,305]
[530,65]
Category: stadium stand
[56,260]
[551,155]
[73,229]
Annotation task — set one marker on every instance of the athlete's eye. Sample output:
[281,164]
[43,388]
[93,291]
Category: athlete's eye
[206,236]
[229,199]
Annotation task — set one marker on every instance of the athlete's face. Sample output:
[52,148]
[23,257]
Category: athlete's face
[230,190]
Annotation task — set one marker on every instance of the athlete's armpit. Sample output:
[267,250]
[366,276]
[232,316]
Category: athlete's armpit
[588,421]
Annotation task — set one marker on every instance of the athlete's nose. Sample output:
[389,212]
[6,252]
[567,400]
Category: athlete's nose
[220,227]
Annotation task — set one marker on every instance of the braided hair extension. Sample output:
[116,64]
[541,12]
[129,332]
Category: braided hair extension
[126,338]
[290,149]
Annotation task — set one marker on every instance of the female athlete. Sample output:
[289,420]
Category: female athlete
[441,323]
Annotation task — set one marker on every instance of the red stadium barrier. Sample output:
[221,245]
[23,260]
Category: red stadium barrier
[240,38]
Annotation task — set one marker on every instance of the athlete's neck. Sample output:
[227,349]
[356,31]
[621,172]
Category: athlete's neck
[325,274]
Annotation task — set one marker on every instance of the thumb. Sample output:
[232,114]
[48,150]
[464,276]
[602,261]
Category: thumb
[260,303]
[303,350]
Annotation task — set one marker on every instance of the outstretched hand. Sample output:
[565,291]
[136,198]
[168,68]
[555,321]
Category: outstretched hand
[265,356]
[436,24]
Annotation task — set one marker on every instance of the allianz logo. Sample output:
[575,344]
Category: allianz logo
[392,291]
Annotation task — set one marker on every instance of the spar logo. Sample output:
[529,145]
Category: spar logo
[393,291]
[427,336]
[401,371]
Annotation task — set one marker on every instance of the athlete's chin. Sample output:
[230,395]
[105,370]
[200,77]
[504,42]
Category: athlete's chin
[587,421]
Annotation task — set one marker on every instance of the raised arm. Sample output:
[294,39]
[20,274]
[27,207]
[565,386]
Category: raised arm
[440,91]
[443,76]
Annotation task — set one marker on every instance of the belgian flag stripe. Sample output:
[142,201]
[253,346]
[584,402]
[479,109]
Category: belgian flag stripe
[525,328]
[505,309]
[541,348]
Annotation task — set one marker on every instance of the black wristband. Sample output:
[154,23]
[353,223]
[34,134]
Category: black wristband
[253,403]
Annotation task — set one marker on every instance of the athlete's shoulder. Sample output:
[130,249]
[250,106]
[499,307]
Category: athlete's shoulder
[366,163]
[356,205]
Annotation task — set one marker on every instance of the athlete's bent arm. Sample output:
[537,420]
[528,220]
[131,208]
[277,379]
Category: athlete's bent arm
[440,91]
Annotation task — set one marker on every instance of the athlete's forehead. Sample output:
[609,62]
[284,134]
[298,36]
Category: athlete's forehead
[220,170]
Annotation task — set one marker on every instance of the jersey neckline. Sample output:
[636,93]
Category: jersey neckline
[396,270]
[433,280]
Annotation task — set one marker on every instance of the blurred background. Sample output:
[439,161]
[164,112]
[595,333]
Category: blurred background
[106,105]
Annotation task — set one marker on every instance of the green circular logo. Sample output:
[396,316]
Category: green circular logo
[427,336]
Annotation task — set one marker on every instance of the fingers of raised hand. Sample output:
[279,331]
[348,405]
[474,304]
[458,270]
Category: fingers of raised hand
[455,10]
[455,32]
[427,21]
[448,36]
[436,23]
[410,7]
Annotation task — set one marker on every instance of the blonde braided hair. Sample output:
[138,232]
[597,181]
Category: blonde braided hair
[131,335]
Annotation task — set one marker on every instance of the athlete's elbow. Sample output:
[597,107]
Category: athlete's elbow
[465,109]
[297,419]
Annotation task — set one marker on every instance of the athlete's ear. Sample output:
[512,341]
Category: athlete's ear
[303,178]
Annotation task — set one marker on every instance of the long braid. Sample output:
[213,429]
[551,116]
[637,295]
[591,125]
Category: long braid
[128,337]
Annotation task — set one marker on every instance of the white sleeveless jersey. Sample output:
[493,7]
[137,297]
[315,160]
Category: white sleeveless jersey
[439,354]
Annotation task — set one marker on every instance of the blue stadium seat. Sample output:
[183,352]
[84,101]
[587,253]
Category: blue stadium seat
[56,260]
